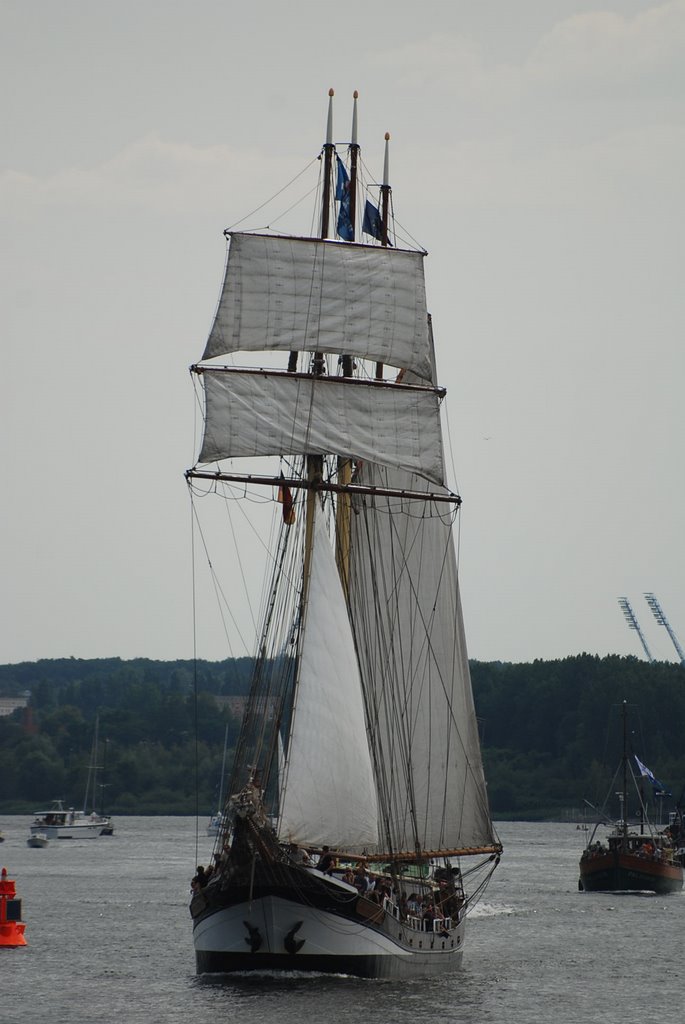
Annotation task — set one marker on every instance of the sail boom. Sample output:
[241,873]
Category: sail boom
[322,485]
[411,856]
[364,382]
[372,247]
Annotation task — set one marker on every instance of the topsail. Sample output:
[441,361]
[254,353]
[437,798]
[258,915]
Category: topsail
[296,294]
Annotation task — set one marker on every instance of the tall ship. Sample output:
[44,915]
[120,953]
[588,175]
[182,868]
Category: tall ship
[356,836]
[634,856]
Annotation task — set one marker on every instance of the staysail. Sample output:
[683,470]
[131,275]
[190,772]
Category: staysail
[328,793]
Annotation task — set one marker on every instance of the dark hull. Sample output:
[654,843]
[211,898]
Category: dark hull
[231,963]
[300,920]
[624,872]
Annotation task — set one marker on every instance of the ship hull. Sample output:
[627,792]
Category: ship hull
[319,925]
[77,831]
[624,872]
[319,941]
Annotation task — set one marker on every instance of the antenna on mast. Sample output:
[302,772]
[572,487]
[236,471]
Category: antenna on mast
[663,621]
[633,624]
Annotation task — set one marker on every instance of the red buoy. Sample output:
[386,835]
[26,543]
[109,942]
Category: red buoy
[11,925]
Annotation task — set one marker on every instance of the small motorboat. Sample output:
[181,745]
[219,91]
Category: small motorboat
[38,841]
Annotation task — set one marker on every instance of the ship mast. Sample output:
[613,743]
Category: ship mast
[624,801]
[385,211]
[315,462]
[343,507]
[347,361]
[328,151]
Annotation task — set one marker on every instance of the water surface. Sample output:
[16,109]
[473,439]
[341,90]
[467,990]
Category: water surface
[110,940]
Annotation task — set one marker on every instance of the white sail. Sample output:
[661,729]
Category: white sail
[407,619]
[271,413]
[323,296]
[328,793]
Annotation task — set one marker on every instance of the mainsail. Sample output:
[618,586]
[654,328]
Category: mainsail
[406,612]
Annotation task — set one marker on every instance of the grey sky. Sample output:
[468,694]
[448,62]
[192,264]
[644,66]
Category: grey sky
[537,153]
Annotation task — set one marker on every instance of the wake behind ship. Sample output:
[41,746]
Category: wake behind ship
[357,834]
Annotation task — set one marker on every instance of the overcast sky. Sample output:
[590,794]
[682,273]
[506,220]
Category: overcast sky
[538,155]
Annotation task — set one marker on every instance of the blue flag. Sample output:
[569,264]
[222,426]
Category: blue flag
[373,223]
[345,228]
[647,774]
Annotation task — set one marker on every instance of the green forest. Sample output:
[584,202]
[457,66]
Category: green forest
[550,731]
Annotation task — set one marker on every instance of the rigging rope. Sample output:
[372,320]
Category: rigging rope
[274,196]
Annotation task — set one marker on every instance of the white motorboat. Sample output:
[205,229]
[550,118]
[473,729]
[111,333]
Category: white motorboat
[60,822]
[38,841]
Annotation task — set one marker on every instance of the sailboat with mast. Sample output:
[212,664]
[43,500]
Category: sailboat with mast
[357,835]
[637,856]
[60,822]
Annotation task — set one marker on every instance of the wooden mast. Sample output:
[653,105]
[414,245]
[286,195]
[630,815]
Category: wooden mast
[385,213]
[315,462]
[624,800]
[343,506]
[347,361]
[328,150]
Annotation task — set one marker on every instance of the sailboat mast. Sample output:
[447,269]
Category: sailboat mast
[343,508]
[92,768]
[104,779]
[625,768]
[354,156]
[347,361]
[315,462]
[385,213]
[328,151]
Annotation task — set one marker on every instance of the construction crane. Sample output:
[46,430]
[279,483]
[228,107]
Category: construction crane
[663,621]
[633,623]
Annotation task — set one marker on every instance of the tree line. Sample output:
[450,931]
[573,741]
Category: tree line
[550,731]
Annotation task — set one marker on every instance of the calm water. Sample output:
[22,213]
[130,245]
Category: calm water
[110,940]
